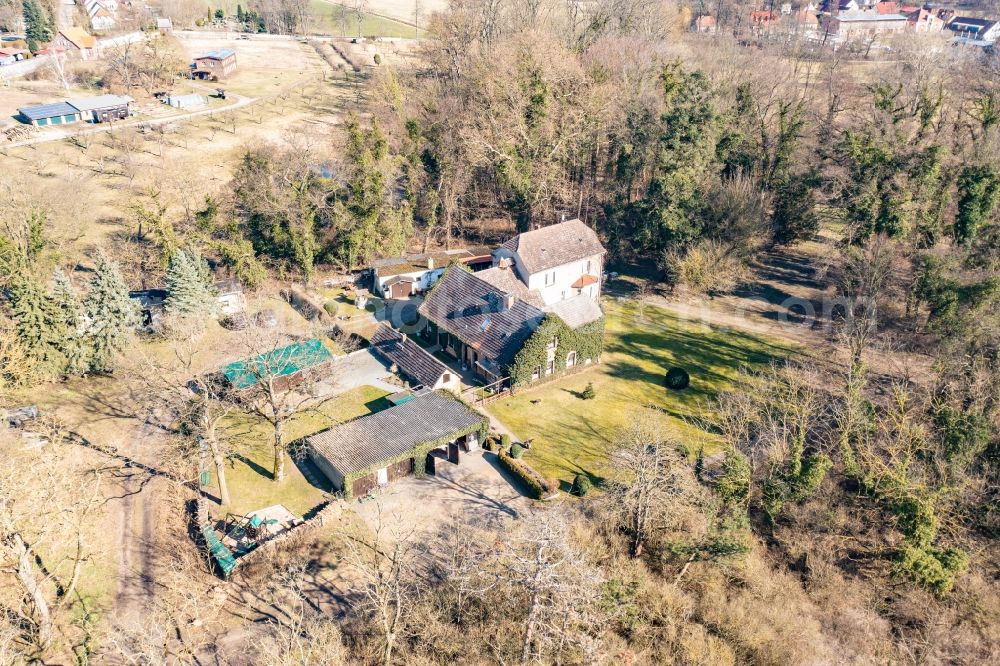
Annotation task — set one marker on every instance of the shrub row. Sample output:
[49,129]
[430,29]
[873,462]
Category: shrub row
[540,486]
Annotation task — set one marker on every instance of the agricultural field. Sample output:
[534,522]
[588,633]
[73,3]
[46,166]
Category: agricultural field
[341,20]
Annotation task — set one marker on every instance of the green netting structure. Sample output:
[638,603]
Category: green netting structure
[218,550]
[278,363]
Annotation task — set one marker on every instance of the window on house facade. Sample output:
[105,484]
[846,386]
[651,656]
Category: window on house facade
[536,372]
[446,377]
[551,368]
[564,295]
[588,265]
[553,343]
[571,359]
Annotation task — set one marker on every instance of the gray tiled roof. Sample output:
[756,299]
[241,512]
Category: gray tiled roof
[506,280]
[99,102]
[577,311]
[473,310]
[411,359]
[555,245]
[371,440]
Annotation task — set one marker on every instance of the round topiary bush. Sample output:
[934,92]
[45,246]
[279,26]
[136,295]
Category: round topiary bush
[581,485]
[331,308]
[678,379]
[516,451]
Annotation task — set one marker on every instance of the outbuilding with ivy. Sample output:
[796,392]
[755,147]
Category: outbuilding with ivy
[412,438]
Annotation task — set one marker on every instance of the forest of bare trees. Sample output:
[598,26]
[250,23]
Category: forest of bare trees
[852,512]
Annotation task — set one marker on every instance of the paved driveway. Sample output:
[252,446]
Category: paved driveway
[358,368]
[478,485]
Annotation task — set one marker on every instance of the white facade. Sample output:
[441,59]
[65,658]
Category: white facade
[423,279]
[556,284]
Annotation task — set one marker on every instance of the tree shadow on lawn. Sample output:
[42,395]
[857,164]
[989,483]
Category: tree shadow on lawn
[254,465]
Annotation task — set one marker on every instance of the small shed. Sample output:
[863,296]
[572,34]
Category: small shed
[42,115]
[231,299]
[185,101]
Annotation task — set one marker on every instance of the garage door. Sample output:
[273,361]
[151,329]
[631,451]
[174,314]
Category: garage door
[402,289]
[363,485]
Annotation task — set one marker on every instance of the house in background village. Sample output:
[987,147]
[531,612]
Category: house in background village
[974,29]
[535,313]
[214,65]
[412,274]
[76,42]
[102,14]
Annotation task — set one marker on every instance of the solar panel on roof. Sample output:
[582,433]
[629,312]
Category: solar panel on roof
[47,111]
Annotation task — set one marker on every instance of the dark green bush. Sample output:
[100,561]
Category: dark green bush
[538,485]
[581,485]
[678,379]
[331,308]
[505,443]
[516,451]
[588,393]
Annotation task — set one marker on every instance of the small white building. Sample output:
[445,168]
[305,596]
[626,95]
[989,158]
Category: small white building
[409,275]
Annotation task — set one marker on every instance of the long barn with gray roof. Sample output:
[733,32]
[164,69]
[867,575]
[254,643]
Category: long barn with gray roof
[379,448]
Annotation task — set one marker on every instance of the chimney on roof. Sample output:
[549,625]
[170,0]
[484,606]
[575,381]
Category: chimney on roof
[403,341]
[508,301]
[430,263]
[504,263]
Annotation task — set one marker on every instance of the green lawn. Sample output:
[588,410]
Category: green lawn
[573,435]
[249,473]
[341,21]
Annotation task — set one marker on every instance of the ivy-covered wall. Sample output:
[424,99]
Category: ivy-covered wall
[418,453]
[587,341]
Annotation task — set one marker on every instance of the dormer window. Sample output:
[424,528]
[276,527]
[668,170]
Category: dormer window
[553,343]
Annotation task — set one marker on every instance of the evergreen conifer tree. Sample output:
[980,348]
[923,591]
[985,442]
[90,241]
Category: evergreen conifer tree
[38,324]
[111,315]
[38,26]
[189,286]
[67,301]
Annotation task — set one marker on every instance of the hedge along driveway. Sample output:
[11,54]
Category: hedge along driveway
[572,435]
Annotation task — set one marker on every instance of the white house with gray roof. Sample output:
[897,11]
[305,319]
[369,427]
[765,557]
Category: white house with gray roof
[557,262]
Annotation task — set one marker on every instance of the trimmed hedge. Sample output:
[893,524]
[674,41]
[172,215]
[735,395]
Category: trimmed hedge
[678,379]
[581,485]
[540,486]
[516,451]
